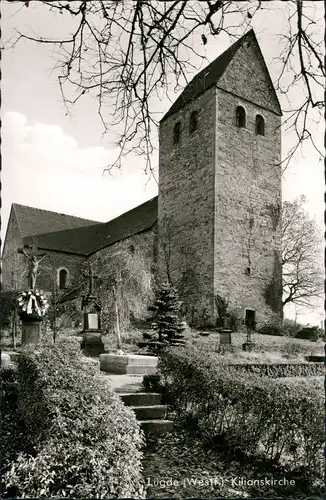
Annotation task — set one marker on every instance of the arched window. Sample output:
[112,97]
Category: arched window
[260,125]
[63,279]
[240,117]
[177,133]
[193,122]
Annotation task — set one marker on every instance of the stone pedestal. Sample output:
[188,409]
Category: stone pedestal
[31,331]
[128,364]
[92,343]
[248,346]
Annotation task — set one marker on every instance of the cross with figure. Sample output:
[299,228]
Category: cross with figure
[91,278]
[32,255]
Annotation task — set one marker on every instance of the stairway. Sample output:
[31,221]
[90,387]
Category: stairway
[148,407]
[149,411]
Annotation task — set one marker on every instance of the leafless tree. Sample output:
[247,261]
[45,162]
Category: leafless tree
[166,241]
[301,255]
[128,54]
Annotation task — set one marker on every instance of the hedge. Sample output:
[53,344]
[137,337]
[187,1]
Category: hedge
[280,369]
[85,442]
[246,412]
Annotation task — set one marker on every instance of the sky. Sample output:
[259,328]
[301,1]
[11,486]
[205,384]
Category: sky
[55,162]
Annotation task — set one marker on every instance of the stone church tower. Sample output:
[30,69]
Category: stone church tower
[219,210]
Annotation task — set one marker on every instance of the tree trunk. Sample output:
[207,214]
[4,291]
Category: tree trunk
[14,329]
[119,343]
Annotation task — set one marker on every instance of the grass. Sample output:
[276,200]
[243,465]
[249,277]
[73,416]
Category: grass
[273,349]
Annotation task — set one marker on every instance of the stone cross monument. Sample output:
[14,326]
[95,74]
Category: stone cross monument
[32,255]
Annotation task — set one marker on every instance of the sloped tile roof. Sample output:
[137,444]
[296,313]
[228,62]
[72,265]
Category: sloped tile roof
[89,239]
[32,221]
[210,75]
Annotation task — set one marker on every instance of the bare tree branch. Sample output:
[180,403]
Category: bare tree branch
[129,54]
[302,274]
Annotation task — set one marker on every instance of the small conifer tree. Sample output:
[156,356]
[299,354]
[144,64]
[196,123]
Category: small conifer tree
[167,325]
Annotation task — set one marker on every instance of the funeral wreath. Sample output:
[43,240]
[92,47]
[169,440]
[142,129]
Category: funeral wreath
[32,304]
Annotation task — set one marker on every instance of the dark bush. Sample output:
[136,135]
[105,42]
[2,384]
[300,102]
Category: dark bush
[290,327]
[86,442]
[309,333]
[152,383]
[256,415]
[167,327]
[271,330]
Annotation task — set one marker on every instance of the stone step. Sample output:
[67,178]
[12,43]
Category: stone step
[316,358]
[156,426]
[128,364]
[141,370]
[150,412]
[141,398]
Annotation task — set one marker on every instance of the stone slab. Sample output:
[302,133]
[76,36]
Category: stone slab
[125,383]
[31,333]
[129,359]
[92,337]
[128,364]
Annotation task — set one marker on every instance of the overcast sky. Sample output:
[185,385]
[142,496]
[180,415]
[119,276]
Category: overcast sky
[56,162]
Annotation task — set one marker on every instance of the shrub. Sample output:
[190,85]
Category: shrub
[278,370]
[168,329]
[8,304]
[246,412]
[153,383]
[290,327]
[86,443]
[271,330]
[309,333]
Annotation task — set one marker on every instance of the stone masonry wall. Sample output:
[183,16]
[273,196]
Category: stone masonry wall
[47,276]
[14,265]
[248,193]
[221,189]
[144,241]
[186,197]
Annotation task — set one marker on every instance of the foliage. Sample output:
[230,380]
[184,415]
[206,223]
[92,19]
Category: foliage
[221,306]
[272,291]
[32,304]
[13,437]
[309,333]
[168,327]
[290,327]
[280,370]
[303,276]
[271,329]
[142,51]
[8,304]
[153,383]
[247,413]
[126,284]
[86,443]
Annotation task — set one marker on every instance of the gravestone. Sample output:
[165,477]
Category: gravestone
[92,343]
[225,344]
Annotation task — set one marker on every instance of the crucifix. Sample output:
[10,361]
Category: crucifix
[32,254]
[91,278]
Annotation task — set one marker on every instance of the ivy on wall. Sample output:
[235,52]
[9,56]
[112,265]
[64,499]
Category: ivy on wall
[273,288]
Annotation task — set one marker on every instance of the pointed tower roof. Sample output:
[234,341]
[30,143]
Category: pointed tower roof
[209,76]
